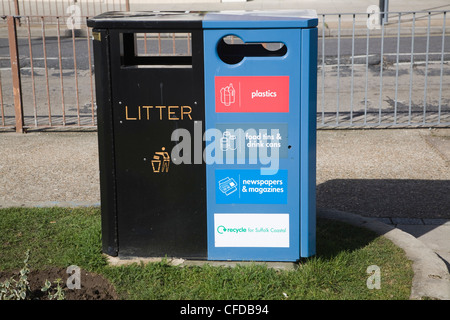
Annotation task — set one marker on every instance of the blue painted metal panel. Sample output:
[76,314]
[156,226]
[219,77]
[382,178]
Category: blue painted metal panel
[289,211]
[308,97]
[260,19]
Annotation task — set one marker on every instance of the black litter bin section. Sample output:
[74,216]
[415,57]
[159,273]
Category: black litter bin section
[149,206]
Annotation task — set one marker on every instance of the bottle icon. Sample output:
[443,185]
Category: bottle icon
[228,95]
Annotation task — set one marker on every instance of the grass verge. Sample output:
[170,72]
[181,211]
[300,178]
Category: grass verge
[59,237]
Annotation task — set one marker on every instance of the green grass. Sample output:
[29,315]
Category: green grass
[55,236]
[62,237]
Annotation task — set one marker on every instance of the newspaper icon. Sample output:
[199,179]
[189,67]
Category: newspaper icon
[227,186]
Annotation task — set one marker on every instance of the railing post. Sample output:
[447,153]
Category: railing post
[17,11]
[127,5]
[15,71]
[16,7]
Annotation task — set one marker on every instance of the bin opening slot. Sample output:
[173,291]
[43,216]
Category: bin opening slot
[231,49]
[162,49]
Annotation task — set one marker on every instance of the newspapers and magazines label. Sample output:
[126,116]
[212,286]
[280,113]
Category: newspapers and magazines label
[250,187]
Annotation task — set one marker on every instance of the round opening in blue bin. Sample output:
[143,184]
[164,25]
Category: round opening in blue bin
[232,49]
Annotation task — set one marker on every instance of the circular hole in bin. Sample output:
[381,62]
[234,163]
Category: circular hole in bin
[232,49]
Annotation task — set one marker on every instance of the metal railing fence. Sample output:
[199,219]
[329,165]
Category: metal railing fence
[370,75]
[59,8]
[55,84]
[384,75]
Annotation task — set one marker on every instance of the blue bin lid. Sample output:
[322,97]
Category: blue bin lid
[205,20]
[260,19]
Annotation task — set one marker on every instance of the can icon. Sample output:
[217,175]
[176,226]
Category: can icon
[225,141]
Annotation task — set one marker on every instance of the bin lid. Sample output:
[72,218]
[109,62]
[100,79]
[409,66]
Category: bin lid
[147,20]
[205,20]
[261,19]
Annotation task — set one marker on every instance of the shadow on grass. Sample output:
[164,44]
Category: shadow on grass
[333,237]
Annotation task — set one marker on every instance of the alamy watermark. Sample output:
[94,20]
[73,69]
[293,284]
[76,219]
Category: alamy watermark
[232,145]
[74,279]
[74,21]
[373,19]
[374,280]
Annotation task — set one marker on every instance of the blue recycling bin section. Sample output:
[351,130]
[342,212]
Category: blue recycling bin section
[260,119]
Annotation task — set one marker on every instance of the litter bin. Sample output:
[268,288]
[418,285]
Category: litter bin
[209,154]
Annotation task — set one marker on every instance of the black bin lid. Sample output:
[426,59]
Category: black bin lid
[147,20]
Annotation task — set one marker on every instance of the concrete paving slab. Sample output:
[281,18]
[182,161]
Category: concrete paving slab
[436,221]
[407,221]
[441,144]
[436,237]
[120,261]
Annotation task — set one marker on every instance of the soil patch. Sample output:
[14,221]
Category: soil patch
[93,286]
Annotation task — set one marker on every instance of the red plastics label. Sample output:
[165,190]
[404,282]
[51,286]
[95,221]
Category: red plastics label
[252,94]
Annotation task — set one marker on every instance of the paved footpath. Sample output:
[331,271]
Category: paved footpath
[397,181]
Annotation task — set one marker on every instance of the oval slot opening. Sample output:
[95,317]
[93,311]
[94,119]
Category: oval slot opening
[231,49]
